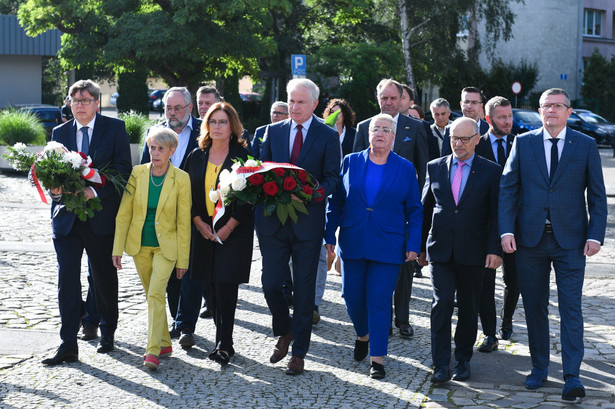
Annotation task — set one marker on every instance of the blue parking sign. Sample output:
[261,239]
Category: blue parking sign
[298,64]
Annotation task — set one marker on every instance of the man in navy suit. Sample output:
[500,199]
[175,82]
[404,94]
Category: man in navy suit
[410,143]
[460,240]
[315,147]
[105,140]
[278,112]
[472,106]
[438,137]
[544,217]
[177,110]
[495,145]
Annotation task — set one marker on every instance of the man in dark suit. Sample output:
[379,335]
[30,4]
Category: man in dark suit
[410,143]
[472,106]
[315,147]
[460,201]
[438,135]
[278,112]
[551,180]
[105,140]
[495,145]
[177,110]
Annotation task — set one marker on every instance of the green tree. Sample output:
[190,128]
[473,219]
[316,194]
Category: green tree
[599,82]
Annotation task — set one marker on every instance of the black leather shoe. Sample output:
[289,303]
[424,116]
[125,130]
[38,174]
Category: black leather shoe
[376,370]
[506,330]
[187,340]
[441,374]
[360,350]
[489,344]
[106,344]
[206,313]
[418,273]
[175,333]
[62,355]
[461,371]
[406,330]
[89,332]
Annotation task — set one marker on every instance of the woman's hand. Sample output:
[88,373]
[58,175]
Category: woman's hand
[203,228]
[223,233]
[423,259]
[411,256]
[56,191]
[117,262]
[180,272]
[330,250]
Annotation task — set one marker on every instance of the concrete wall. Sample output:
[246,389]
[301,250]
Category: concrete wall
[606,42]
[546,32]
[20,79]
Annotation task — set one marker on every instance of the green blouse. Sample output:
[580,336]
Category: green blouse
[148,235]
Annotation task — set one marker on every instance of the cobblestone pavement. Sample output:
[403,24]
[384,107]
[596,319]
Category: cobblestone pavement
[28,305]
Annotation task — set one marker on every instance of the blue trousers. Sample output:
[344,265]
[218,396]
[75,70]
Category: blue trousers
[189,303]
[367,288]
[534,272]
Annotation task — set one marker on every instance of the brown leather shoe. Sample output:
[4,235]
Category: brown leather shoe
[89,332]
[281,348]
[295,366]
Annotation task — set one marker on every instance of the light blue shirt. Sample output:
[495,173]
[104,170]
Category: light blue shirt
[466,171]
[182,144]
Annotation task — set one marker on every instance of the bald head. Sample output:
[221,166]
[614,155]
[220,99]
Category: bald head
[464,137]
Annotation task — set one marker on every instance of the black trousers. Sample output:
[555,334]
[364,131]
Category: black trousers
[403,292]
[223,303]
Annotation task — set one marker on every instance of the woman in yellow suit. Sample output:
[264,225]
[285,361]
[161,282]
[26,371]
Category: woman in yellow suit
[153,226]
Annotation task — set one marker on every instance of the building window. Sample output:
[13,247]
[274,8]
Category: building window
[592,23]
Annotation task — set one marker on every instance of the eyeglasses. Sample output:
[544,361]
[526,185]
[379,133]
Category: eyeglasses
[377,129]
[213,122]
[471,102]
[277,113]
[464,139]
[557,107]
[176,108]
[84,102]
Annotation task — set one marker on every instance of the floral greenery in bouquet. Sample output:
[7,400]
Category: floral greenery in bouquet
[55,167]
[281,187]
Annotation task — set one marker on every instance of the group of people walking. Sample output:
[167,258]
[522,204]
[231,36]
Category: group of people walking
[453,196]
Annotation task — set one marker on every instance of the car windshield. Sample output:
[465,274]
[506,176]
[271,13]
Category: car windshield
[593,118]
[527,116]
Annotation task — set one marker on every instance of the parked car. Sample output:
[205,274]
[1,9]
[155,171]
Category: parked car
[593,125]
[525,120]
[156,95]
[49,115]
[250,96]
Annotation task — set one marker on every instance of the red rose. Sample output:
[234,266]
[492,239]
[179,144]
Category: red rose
[257,179]
[278,171]
[308,190]
[289,183]
[302,176]
[320,191]
[270,188]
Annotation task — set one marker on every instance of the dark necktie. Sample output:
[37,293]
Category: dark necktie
[554,158]
[294,155]
[85,140]
[501,153]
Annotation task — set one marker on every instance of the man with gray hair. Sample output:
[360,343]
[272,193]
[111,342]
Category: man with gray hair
[206,96]
[177,110]
[278,112]
[306,142]
[439,143]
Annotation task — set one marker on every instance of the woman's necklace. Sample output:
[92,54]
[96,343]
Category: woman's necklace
[151,175]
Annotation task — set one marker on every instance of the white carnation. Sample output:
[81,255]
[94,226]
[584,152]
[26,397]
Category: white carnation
[75,160]
[56,147]
[19,146]
[226,178]
[251,163]
[239,183]
[213,195]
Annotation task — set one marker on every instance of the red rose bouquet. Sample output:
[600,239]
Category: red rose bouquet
[281,187]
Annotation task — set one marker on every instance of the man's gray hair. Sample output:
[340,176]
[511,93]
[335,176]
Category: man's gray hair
[312,88]
[555,91]
[439,102]
[280,104]
[182,90]
[382,117]
[208,89]
[85,85]
[385,83]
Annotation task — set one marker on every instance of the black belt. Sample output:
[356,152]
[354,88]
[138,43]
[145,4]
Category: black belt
[549,228]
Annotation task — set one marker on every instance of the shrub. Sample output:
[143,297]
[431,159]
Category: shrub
[21,126]
[136,125]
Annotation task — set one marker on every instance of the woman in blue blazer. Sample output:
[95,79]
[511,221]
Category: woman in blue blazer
[379,212]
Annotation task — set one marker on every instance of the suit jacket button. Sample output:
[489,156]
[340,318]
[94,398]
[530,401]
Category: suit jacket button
[456,211]
[369,209]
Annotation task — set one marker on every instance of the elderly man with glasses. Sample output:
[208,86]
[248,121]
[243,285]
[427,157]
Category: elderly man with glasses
[177,110]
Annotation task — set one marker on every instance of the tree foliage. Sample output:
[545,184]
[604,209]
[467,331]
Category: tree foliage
[599,82]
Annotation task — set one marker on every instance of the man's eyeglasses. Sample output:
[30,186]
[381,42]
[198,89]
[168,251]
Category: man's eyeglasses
[377,129]
[557,107]
[471,102]
[277,113]
[464,139]
[176,108]
[84,102]
[213,122]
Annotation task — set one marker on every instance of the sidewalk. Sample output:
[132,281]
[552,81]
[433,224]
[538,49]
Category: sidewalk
[29,323]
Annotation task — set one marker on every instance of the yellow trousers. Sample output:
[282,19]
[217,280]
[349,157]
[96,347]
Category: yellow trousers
[154,271]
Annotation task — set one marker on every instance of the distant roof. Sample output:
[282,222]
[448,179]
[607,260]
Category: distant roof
[14,41]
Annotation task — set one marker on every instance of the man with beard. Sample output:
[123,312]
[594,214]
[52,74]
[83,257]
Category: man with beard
[177,110]
[495,145]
